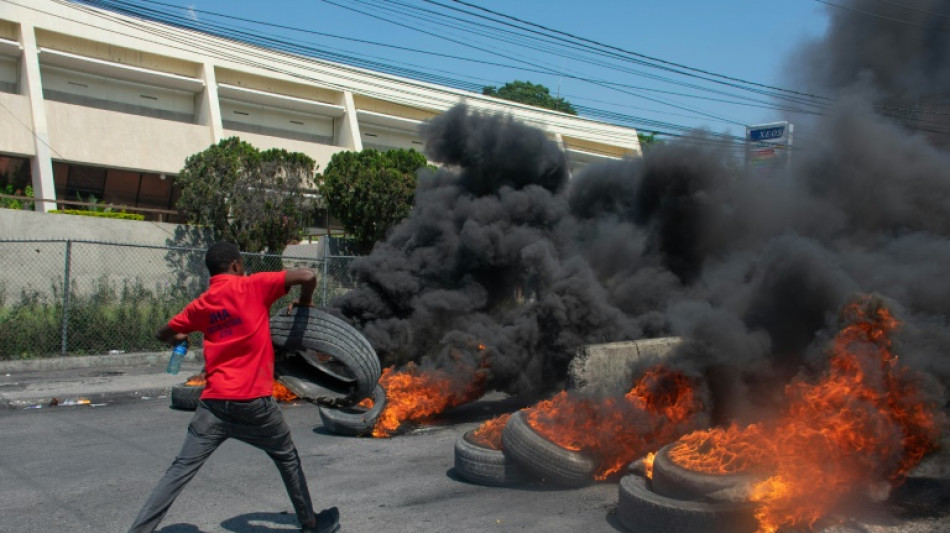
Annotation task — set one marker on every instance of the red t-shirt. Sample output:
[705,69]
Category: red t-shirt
[234,315]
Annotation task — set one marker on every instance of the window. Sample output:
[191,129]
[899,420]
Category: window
[82,183]
[155,191]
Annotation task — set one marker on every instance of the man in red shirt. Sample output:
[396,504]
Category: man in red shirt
[237,401]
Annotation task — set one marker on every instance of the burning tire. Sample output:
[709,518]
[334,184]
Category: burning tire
[640,510]
[486,466]
[185,397]
[544,458]
[674,481]
[322,358]
[355,420]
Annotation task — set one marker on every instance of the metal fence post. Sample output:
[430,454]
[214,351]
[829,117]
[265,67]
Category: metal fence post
[69,248]
[326,261]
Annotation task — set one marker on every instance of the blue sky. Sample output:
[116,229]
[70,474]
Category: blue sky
[745,39]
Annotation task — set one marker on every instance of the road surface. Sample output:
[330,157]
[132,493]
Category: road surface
[89,469]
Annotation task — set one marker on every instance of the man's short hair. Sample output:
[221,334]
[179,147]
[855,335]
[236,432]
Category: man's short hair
[220,256]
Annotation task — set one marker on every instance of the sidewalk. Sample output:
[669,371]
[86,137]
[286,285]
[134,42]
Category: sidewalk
[94,379]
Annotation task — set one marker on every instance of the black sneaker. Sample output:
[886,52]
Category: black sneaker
[328,521]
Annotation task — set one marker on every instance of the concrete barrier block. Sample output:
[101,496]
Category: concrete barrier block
[608,368]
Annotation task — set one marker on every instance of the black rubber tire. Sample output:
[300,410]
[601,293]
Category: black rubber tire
[354,420]
[486,466]
[314,335]
[310,383]
[543,458]
[641,510]
[185,397]
[674,481]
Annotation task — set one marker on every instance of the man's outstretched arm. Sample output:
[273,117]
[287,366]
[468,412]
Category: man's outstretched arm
[308,283]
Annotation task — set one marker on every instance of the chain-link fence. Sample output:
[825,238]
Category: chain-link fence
[72,297]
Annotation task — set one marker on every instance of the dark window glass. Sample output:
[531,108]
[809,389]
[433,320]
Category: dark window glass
[87,183]
[155,192]
[122,187]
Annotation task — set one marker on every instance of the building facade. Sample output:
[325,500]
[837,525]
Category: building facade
[99,106]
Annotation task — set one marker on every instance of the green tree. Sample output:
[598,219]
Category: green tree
[254,199]
[370,191]
[529,93]
[648,141]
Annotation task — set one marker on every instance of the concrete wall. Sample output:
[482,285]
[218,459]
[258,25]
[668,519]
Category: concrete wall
[609,369]
[112,139]
[17,125]
[139,254]
[16,224]
[36,266]
[321,153]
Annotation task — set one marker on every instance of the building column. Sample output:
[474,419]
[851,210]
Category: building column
[349,137]
[209,111]
[44,185]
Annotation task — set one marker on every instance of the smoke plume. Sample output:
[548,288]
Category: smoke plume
[510,264]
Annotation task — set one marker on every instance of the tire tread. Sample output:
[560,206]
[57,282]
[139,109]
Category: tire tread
[544,458]
[330,335]
[486,466]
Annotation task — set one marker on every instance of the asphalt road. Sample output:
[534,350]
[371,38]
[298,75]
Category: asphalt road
[89,469]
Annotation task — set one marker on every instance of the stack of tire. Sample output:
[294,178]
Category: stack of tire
[481,460]
[525,455]
[677,500]
[324,360]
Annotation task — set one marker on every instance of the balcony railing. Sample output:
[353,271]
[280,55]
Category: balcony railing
[152,214]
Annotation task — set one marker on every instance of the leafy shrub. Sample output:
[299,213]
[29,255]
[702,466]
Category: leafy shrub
[14,203]
[109,317]
[370,191]
[102,214]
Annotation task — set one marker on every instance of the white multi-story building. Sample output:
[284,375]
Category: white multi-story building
[109,106]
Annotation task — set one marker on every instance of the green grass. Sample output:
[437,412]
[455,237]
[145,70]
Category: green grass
[108,317]
[104,316]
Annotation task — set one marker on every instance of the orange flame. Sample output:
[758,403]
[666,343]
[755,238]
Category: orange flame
[488,434]
[648,464]
[282,393]
[729,450]
[862,423]
[660,407]
[367,403]
[413,394]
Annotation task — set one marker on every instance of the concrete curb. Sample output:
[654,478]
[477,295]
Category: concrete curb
[90,380]
[91,361]
[89,399]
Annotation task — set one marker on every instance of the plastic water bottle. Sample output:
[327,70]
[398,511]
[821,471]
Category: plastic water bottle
[174,364]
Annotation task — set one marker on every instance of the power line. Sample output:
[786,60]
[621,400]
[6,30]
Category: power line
[245,36]
[911,8]
[538,70]
[879,16]
[468,44]
[560,42]
[639,55]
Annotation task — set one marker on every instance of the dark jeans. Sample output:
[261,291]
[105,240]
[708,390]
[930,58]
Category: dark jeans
[258,422]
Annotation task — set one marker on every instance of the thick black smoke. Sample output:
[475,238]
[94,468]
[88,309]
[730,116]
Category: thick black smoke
[487,257]
[504,250]
[901,49]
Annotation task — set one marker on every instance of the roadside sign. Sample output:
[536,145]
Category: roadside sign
[767,147]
